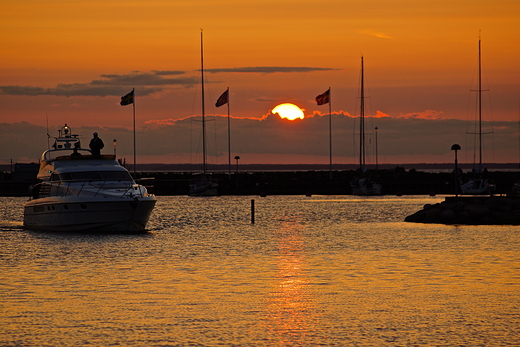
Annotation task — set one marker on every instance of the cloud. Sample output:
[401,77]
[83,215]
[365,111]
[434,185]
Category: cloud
[376,34]
[164,72]
[109,85]
[270,69]
[380,114]
[147,82]
[428,114]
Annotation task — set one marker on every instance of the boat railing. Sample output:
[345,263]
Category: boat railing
[74,188]
[147,182]
[68,154]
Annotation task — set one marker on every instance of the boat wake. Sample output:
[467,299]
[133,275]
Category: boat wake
[6,225]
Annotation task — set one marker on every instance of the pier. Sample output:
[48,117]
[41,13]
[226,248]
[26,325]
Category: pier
[396,181]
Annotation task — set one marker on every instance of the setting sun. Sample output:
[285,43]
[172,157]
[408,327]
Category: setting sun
[289,111]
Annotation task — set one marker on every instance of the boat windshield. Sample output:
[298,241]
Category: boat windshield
[96,176]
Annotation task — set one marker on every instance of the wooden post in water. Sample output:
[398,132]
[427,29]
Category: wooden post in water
[252,211]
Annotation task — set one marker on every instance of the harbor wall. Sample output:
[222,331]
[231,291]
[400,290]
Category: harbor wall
[396,181]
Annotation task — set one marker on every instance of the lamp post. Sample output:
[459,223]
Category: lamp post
[456,148]
[237,158]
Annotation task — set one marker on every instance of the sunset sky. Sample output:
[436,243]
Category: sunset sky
[71,61]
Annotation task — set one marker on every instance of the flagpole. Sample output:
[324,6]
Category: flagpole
[330,136]
[229,135]
[133,104]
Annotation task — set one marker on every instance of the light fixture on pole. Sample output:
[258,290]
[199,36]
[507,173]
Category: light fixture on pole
[456,148]
[237,158]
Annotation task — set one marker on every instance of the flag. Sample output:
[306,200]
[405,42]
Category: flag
[223,99]
[324,98]
[127,99]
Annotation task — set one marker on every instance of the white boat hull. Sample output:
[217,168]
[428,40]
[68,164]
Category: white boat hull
[83,214]
[477,187]
[366,187]
[203,188]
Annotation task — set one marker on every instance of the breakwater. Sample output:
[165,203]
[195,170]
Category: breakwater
[396,181]
[494,210]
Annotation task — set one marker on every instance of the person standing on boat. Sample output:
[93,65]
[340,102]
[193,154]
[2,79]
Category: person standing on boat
[96,144]
[75,154]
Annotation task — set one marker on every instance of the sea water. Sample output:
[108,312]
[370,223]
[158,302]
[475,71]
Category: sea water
[310,271]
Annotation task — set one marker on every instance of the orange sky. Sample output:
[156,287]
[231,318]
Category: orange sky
[71,61]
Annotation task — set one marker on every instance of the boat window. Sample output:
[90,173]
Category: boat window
[55,177]
[65,176]
[86,176]
[116,176]
[96,176]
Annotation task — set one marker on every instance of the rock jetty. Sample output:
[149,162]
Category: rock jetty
[494,210]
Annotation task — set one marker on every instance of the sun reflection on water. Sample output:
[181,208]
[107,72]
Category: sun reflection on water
[291,311]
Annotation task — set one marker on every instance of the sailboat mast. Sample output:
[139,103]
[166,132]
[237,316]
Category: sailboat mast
[479,106]
[203,107]
[362,119]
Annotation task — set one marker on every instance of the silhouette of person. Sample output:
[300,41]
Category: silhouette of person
[96,144]
[75,154]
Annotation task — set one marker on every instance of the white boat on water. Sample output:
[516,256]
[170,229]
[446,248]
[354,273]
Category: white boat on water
[365,186]
[77,191]
[477,186]
[203,187]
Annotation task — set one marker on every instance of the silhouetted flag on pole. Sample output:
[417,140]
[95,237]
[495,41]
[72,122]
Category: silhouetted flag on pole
[127,99]
[223,99]
[323,99]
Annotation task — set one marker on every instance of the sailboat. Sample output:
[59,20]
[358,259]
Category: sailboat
[478,185]
[364,185]
[203,186]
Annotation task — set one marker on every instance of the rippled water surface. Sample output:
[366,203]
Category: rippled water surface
[311,271]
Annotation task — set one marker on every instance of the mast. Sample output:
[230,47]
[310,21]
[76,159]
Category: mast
[479,107]
[362,120]
[203,108]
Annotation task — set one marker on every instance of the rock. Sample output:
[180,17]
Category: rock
[427,207]
[504,218]
[432,215]
[417,217]
[462,218]
[485,220]
[476,210]
[499,204]
[470,211]
[447,205]
[447,216]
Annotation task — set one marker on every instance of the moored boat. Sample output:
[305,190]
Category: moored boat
[78,191]
[478,185]
[365,184]
[204,186]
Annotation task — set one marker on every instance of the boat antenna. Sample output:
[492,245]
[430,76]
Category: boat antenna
[48,136]
[519,133]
